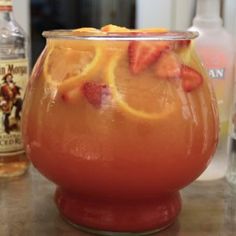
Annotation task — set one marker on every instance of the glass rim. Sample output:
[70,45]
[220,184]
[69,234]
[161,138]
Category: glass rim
[121,36]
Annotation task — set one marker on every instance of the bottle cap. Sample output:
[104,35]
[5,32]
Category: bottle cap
[208,13]
[5,5]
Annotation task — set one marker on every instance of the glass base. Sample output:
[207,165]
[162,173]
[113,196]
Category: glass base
[113,217]
[109,233]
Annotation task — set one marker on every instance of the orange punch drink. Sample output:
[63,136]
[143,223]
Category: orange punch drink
[119,120]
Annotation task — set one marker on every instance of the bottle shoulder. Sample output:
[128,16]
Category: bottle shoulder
[209,30]
[217,36]
[11,28]
[13,40]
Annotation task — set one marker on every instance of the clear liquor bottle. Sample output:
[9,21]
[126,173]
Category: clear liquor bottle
[13,79]
[215,47]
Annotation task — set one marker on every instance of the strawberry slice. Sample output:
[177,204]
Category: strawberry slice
[143,53]
[191,79]
[168,66]
[182,44]
[93,92]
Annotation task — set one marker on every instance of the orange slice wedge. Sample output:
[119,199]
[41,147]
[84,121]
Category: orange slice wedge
[67,68]
[142,96]
[87,30]
[114,28]
[150,30]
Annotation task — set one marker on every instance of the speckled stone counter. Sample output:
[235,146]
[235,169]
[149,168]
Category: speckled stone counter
[27,209]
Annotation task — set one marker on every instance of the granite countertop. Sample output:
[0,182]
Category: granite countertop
[27,209]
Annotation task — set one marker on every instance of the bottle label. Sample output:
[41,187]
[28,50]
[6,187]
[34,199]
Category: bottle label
[13,81]
[216,73]
[220,69]
[5,5]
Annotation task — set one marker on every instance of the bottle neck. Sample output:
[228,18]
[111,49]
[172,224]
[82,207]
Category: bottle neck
[212,24]
[208,14]
[6,14]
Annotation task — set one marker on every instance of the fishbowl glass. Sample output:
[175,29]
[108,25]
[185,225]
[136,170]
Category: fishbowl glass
[120,122]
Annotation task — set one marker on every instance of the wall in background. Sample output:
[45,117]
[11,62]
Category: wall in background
[57,14]
[22,13]
[118,12]
[153,13]
[183,13]
[172,14]
[178,14]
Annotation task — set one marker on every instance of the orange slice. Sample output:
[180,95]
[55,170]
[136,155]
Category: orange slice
[114,28]
[86,29]
[142,96]
[150,30]
[61,64]
[68,67]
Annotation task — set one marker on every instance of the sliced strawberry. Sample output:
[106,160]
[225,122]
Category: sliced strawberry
[71,96]
[191,79]
[143,53]
[179,44]
[168,66]
[183,43]
[93,92]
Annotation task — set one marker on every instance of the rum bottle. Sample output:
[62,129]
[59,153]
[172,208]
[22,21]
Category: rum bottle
[13,80]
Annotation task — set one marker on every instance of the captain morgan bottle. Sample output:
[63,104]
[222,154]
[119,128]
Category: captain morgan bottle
[13,80]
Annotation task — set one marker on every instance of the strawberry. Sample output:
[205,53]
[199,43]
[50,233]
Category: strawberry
[183,43]
[180,44]
[191,79]
[93,92]
[168,66]
[143,53]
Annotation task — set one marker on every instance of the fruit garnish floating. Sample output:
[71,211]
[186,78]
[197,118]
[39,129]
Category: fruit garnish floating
[137,75]
[77,61]
[145,97]
[114,28]
[86,30]
[168,66]
[191,79]
[144,53]
[77,65]
[182,44]
[118,29]
[94,92]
